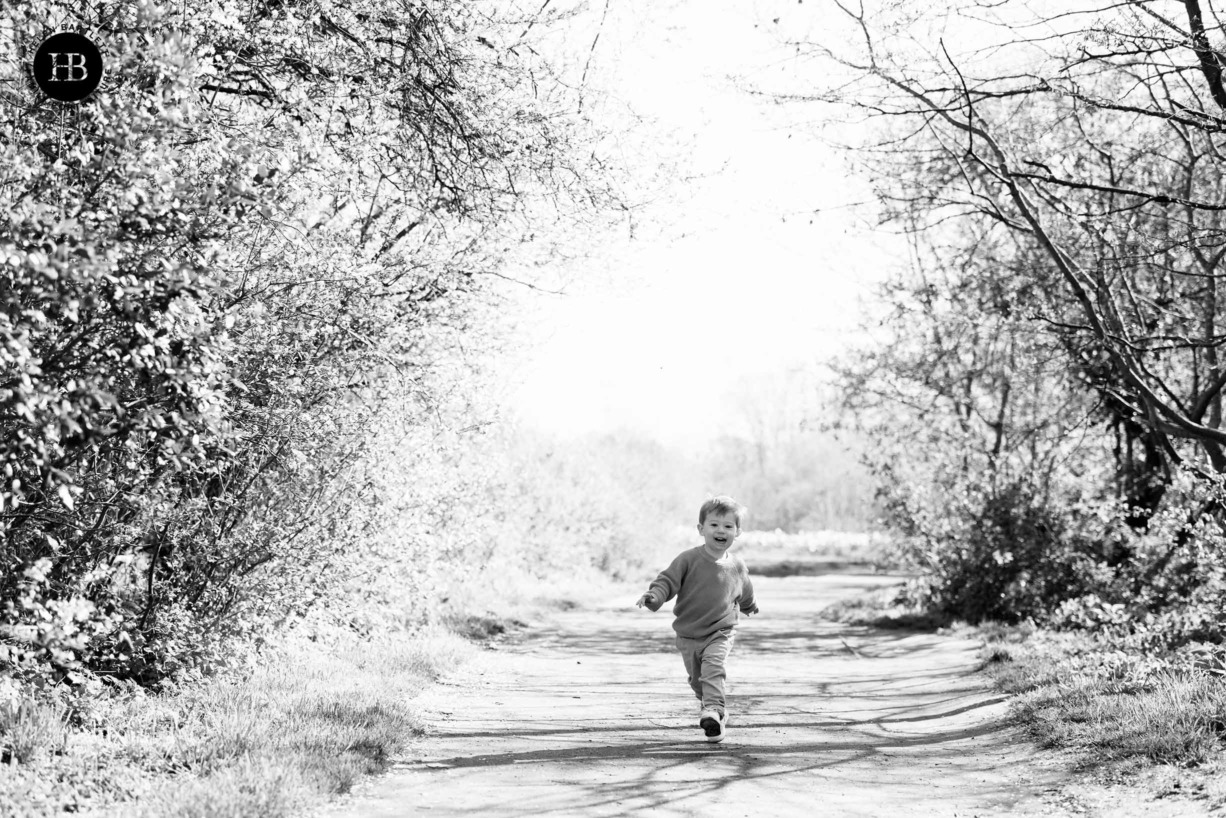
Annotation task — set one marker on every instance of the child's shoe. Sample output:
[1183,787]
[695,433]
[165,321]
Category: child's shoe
[712,723]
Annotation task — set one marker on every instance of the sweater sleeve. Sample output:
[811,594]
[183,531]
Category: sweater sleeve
[665,586]
[748,603]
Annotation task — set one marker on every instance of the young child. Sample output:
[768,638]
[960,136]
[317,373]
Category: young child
[710,586]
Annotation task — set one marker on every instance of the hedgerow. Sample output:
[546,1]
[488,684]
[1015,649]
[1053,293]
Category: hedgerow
[264,235]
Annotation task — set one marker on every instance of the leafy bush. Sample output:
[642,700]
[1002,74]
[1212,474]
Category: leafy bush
[267,230]
[1000,553]
[1171,591]
[1006,556]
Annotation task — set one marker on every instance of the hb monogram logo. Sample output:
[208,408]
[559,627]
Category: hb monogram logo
[67,66]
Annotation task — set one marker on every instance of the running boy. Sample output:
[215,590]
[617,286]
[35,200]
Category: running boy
[710,586]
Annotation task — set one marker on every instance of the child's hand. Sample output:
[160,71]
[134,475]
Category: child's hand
[646,599]
[753,610]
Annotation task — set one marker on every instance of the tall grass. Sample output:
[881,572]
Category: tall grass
[308,722]
[30,728]
[1077,693]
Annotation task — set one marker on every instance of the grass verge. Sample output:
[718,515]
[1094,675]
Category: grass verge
[1077,691]
[307,723]
[1149,725]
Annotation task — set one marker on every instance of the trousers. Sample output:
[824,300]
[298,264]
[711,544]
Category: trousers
[706,665]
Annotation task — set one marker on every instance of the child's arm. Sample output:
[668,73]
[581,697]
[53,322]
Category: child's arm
[664,587]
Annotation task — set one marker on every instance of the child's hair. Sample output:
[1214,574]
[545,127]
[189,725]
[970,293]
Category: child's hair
[723,504]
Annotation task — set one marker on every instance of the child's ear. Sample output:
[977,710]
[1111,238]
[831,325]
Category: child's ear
[699,528]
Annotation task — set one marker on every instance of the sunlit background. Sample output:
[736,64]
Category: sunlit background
[747,258]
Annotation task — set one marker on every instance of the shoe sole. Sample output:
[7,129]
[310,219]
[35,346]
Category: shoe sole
[712,728]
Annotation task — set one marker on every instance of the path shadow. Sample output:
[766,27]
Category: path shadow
[679,774]
[689,749]
[751,717]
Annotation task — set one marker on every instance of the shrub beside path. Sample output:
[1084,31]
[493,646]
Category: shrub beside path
[589,714]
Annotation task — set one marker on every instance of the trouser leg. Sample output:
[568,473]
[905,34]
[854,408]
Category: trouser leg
[691,655]
[712,669]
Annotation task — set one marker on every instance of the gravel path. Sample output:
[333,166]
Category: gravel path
[589,714]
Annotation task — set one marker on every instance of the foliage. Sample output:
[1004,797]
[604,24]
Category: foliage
[268,225]
[1054,344]
[1169,596]
[1005,555]
[985,455]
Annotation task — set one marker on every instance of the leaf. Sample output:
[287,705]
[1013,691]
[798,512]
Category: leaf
[65,496]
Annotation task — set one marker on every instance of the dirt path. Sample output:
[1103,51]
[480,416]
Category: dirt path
[590,715]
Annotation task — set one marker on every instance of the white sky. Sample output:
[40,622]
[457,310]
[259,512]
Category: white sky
[755,267]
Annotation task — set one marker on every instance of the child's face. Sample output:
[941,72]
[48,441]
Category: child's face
[718,531]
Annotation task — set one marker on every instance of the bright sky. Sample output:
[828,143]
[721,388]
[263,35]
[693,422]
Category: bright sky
[755,267]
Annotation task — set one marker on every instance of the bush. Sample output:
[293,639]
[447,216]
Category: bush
[1003,553]
[1170,592]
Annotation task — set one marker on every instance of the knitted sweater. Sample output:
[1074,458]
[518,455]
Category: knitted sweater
[708,592]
